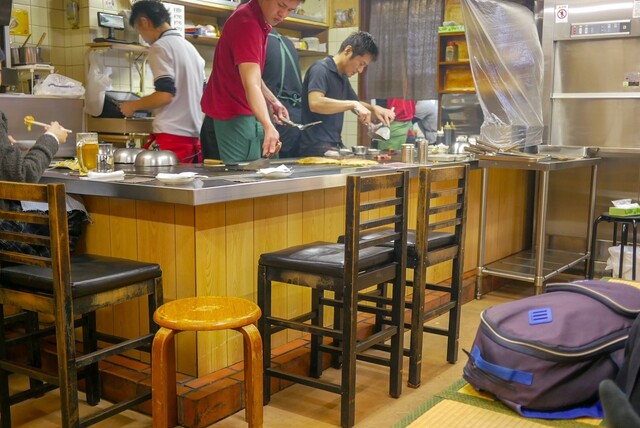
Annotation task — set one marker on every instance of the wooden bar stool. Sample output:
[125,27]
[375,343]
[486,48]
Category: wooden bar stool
[204,313]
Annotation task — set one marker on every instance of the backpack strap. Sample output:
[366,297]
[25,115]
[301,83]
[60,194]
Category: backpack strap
[295,99]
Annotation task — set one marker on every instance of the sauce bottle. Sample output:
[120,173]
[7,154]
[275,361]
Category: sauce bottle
[448,134]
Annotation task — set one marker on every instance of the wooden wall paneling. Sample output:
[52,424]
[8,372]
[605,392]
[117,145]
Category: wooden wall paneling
[295,236]
[129,318]
[185,260]
[270,234]
[211,280]
[155,226]
[97,240]
[493,238]
[472,228]
[334,219]
[240,264]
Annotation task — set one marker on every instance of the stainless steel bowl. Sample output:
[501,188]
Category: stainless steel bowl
[156,157]
[359,150]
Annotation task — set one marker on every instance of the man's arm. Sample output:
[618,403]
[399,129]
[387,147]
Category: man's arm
[252,83]
[384,115]
[320,104]
[278,110]
[150,102]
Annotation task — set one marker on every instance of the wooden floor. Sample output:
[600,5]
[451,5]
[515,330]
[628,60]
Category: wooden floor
[300,406]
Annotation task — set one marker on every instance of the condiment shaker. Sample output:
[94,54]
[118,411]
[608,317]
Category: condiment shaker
[407,153]
[423,150]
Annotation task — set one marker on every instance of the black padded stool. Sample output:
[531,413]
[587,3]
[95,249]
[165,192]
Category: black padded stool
[625,221]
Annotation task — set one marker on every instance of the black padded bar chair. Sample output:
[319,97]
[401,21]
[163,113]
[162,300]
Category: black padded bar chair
[66,288]
[372,201]
[439,237]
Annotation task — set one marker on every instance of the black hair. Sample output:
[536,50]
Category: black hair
[361,43]
[151,9]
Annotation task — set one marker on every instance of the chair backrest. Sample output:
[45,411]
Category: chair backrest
[375,200]
[48,230]
[441,208]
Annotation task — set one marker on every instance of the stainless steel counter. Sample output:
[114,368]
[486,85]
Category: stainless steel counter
[220,185]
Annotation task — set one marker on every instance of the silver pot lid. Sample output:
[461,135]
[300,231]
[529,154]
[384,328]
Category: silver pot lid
[156,157]
[127,155]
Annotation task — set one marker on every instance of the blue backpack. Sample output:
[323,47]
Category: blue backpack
[544,356]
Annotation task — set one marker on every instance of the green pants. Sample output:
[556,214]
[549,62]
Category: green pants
[398,136]
[239,139]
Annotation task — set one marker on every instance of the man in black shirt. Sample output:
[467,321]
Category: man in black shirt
[327,94]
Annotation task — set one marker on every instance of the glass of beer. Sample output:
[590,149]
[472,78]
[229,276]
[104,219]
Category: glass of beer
[87,150]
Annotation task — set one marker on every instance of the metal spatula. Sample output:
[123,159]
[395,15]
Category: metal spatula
[297,125]
[379,131]
[251,166]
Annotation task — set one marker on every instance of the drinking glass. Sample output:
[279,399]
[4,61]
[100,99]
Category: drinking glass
[104,159]
[87,150]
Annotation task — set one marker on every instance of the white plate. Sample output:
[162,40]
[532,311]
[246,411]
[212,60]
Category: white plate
[176,180]
[278,174]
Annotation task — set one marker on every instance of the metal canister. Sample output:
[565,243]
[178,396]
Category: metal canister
[423,150]
[407,153]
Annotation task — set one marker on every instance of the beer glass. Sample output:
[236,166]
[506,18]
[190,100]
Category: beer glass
[87,150]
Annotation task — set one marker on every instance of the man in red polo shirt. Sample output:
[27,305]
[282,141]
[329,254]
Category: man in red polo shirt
[237,104]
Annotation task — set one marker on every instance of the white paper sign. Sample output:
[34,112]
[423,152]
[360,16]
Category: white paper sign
[562,13]
[177,16]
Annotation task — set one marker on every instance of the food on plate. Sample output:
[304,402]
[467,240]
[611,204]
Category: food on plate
[318,160]
[28,120]
[71,164]
[357,162]
[382,157]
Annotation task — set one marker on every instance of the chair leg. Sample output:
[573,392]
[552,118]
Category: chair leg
[90,344]
[264,302]
[317,308]
[5,407]
[35,350]
[453,335]
[417,322]
[164,399]
[397,340]
[67,371]
[252,344]
[349,322]
[336,358]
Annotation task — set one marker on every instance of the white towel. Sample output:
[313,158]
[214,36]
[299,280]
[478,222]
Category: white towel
[168,176]
[282,168]
[105,176]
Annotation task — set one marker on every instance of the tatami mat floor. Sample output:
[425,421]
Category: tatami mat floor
[300,406]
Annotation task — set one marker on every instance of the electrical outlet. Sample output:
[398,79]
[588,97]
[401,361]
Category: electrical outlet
[109,4]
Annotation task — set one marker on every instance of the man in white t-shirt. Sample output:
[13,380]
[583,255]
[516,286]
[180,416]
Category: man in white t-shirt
[178,77]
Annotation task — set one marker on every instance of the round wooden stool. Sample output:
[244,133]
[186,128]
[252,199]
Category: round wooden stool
[204,314]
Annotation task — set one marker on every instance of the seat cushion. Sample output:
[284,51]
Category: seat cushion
[323,258]
[90,274]
[436,240]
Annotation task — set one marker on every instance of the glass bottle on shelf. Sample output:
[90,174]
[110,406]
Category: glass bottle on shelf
[451,52]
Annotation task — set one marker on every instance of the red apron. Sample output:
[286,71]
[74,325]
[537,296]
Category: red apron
[187,149]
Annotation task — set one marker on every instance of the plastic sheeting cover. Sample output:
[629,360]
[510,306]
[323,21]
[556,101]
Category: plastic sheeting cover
[507,66]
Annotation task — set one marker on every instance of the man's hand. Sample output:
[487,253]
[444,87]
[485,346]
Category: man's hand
[364,115]
[278,110]
[11,139]
[58,131]
[271,144]
[384,115]
[127,108]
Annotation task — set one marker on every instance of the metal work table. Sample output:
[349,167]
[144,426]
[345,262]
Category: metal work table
[537,264]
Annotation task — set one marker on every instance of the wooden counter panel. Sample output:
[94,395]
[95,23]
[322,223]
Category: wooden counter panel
[214,249]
